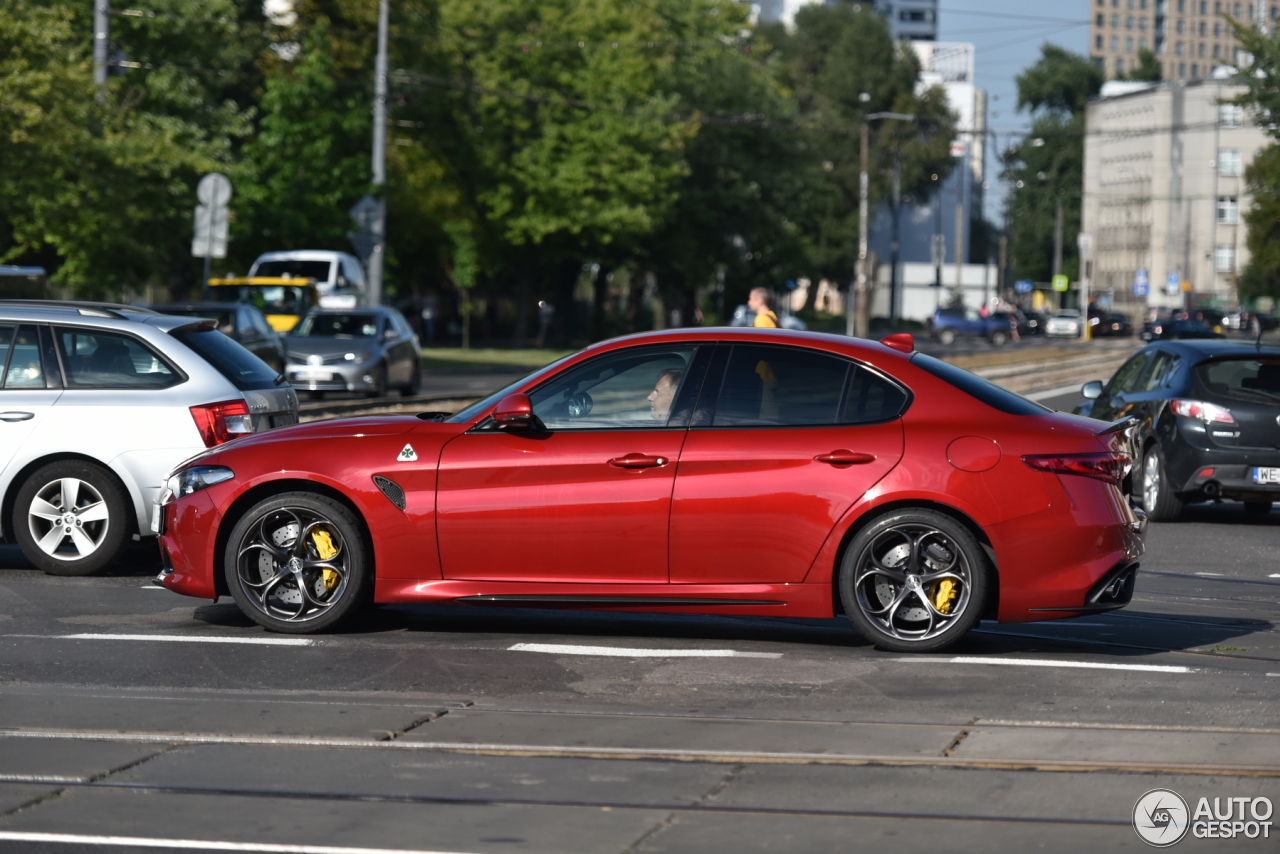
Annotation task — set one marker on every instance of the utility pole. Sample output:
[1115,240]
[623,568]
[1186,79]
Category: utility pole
[894,305]
[101,43]
[379,224]
[1057,241]
[960,248]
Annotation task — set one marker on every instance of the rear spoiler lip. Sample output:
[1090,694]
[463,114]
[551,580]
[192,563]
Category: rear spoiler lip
[1118,426]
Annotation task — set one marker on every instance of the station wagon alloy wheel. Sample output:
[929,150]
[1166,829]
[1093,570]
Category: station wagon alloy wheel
[74,518]
[914,580]
[295,563]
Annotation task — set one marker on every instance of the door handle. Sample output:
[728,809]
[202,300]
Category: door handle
[17,416]
[843,457]
[638,461]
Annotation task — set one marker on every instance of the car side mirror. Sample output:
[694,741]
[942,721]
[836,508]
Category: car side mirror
[514,411]
[1092,390]
[390,335]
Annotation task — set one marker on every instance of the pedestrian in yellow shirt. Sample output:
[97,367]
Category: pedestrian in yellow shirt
[759,303]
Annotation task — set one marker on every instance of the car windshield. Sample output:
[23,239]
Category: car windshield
[975,386]
[354,325]
[269,299]
[244,370]
[481,405]
[318,270]
[1243,379]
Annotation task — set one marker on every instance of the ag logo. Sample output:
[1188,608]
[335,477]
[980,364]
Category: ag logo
[407,455]
[1161,818]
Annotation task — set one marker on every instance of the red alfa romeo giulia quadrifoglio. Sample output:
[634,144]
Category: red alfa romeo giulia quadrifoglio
[714,471]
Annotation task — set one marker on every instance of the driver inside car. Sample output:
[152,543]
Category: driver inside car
[664,392]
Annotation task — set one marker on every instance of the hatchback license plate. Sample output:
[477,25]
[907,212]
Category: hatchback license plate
[1261,475]
[315,376]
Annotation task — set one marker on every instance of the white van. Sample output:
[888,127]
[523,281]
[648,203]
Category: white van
[339,277]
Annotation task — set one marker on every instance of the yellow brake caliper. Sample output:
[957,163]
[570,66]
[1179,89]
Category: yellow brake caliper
[944,593]
[325,549]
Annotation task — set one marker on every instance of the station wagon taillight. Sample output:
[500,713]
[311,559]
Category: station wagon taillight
[221,422]
[1106,467]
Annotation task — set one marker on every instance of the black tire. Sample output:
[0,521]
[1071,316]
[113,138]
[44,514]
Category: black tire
[946,337]
[1257,508]
[82,501]
[910,610]
[999,338]
[275,546]
[1157,498]
[379,388]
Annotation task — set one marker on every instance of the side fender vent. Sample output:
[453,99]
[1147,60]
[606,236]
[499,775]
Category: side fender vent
[391,489]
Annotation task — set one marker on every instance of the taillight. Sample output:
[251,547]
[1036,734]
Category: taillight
[221,422]
[1201,411]
[1107,467]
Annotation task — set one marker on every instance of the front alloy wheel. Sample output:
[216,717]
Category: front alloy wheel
[297,563]
[914,581]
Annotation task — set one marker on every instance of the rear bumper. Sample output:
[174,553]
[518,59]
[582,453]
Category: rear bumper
[1186,461]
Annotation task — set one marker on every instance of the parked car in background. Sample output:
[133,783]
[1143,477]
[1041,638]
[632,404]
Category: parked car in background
[241,322]
[1016,320]
[1208,423]
[948,324]
[1036,321]
[1110,324]
[339,277]
[1210,317]
[825,474]
[1250,323]
[1170,330]
[100,402]
[368,351]
[1064,323]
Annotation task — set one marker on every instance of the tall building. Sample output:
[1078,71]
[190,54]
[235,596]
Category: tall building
[1164,191]
[909,20]
[1189,37]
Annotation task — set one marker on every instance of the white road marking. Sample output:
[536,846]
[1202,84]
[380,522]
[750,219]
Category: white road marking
[1274,575]
[152,587]
[181,639]
[1273,674]
[1212,574]
[619,652]
[200,844]
[1045,662]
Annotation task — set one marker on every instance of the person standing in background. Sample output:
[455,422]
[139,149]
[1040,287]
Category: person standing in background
[759,303]
[430,309]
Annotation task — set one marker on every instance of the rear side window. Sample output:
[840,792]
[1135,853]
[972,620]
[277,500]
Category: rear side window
[975,386]
[790,387]
[244,370]
[1241,379]
[97,359]
[22,357]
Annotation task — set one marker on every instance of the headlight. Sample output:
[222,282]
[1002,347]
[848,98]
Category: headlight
[193,479]
[356,357]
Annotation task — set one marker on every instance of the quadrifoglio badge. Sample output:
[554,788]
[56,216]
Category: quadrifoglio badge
[1162,818]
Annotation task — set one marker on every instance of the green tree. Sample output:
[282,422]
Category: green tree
[1047,167]
[1147,70]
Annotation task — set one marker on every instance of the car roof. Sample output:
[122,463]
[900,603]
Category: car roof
[87,312]
[829,341]
[1216,347]
[300,255]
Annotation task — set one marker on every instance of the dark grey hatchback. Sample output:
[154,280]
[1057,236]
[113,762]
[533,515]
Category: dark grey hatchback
[1209,414]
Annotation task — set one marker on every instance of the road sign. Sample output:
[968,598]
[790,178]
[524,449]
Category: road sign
[212,220]
[1173,284]
[1186,287]
[1141,283]
[1023,286]
[1084,242]
[365,213]
[1060,283]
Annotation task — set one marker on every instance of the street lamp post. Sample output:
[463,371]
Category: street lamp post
[857,315]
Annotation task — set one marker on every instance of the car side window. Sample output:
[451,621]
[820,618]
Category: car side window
[871,398]
[1126,379]
[631,390]
[791,387]
[1157,375]
[260,323]
[97,359]
[22,369]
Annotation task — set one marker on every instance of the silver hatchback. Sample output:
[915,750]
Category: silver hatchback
[98,402]
[364,350]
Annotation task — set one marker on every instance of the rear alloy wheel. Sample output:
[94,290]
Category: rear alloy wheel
[914,581]
[1157,496]
[946,336]
[69,518]
[297,563]
[999,338]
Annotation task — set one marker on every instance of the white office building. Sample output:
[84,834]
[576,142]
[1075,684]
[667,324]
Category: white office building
[912,20]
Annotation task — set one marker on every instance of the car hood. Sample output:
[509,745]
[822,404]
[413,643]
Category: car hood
[323,346]
[372,425]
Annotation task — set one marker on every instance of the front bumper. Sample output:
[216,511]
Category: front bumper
[188,529]
[345,376]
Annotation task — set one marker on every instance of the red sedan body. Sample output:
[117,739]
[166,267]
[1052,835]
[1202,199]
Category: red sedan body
[705,512]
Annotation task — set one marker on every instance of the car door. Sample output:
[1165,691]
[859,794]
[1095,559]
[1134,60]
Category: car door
[1114,402]
[793,438]
[30,386]
[587,498]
